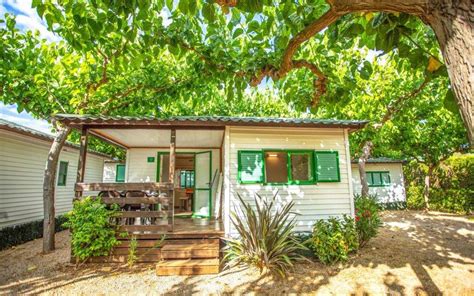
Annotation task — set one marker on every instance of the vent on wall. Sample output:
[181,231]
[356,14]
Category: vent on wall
[3,215]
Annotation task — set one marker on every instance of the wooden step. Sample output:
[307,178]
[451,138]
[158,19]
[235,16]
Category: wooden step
[172,249]
[188,267]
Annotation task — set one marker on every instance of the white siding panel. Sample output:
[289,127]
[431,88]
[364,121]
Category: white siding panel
[22,162]
[139,170]
[110,171]
[393,193]
[312,202]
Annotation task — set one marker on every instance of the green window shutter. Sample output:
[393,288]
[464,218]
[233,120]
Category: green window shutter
[368,176]
[62,173]
[250,167]
[120,173]
[327,166]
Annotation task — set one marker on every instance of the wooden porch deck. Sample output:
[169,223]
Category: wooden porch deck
[185,228]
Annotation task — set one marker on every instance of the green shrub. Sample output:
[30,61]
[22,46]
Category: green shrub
[452,200]
[92,234]
[333,239]
[415,199]
[266,237]
[452,185]
[367,218]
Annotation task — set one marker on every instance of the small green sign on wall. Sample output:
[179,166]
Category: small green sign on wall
[150,159]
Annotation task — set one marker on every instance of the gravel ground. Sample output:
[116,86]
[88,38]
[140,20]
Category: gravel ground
[415,254]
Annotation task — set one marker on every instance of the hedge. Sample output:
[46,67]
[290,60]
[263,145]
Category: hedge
[444,200]
[18,234]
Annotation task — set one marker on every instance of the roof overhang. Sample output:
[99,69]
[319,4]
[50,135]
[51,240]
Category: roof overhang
[191,131]
[201,122]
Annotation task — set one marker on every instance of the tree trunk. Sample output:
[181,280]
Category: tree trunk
[366,151]
[426,190]
[453,24]
[48,188]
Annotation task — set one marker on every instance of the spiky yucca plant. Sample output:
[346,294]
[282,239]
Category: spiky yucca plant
[266,240]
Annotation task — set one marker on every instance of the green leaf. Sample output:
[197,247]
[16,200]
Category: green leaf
[237,33]
[253,26]
[208,11]
[366,70]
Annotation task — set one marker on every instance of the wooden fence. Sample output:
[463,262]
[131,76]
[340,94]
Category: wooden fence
[145,207]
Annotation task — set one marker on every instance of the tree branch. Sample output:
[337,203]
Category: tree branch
[319,82]
[131,90]
[338,8]
[396,105]
[312,29]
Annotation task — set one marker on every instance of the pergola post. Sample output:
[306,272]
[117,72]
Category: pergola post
[171,176]
[81,165]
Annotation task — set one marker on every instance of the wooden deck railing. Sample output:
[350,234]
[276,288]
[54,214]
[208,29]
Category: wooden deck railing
[148,186]
[151,212]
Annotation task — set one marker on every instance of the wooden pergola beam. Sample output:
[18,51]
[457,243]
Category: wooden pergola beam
[171,175]
[81,165]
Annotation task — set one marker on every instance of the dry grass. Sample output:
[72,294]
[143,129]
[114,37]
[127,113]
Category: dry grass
[414,254]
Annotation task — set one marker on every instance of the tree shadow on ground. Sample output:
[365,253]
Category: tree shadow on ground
[412,241]
[25,270]
[408,240]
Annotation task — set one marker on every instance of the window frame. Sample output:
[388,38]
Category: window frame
[316,152]
[371,173]
[60,181]
[314,180]
[116,173]
[186,174]
[290,181]
[239,167]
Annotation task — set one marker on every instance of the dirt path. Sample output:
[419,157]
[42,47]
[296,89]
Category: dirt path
[414,254]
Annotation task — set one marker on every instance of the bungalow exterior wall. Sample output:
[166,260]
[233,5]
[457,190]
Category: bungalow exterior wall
[312,202]
[394,192]
[22,163]
[138,169]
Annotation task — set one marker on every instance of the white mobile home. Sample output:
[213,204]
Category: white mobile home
[23,153]
[385,179]
[205,162]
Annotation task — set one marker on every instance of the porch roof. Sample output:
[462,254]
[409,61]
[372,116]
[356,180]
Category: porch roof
[75,120]
[191,131]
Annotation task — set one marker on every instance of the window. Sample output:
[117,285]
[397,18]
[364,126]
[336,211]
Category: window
[250,167]
[378,179]
[120,173]
[288,166]
[62,173]
[301,166]
[327,166]
[187,179]
[276,167]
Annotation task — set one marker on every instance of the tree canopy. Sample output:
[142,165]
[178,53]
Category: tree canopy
[199,57]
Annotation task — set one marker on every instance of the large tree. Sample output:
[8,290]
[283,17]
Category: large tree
[158,56]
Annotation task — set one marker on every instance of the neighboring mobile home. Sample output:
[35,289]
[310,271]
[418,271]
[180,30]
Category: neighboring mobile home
[385,179]
[23,153]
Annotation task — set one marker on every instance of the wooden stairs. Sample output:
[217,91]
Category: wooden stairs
[189,257]
[175,256]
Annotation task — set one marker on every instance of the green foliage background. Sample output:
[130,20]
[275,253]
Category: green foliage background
[164,58]
[452,185]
